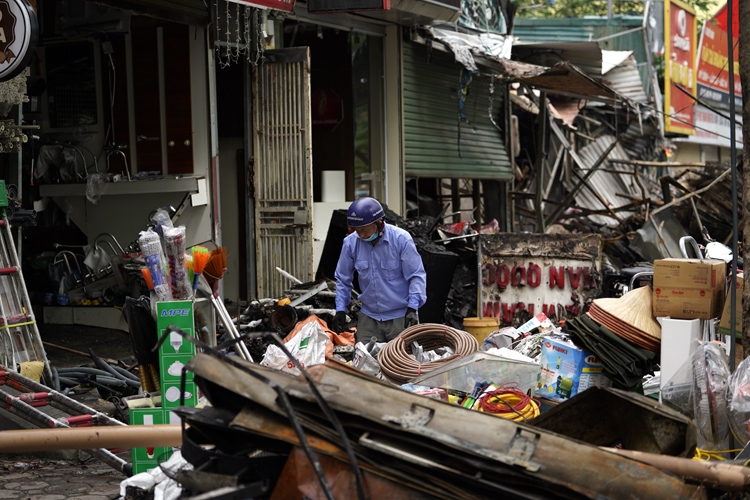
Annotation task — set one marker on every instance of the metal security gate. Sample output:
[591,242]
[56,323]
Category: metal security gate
[283,169]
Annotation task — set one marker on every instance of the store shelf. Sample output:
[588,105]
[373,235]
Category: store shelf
[148,186]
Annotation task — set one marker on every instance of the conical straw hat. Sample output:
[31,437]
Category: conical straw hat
[634,309]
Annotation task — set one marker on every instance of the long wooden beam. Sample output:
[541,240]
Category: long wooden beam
[86,438]
[644,163]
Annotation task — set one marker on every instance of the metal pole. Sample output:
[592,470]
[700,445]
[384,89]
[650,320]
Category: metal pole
[43,420]
[479,278]
[733,166]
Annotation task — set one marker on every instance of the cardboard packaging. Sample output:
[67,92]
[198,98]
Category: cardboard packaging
[174,354]
[688,288]
[565,370]
[725,325]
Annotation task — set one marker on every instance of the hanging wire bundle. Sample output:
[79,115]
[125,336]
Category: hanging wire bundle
[400,366]
[508,402]
[234,33]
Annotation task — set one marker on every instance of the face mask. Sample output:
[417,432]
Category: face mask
[372,237]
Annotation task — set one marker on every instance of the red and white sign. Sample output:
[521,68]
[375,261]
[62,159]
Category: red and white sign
[713,67]
[713,129]
[19,32]
[542,273]
[679,56]
[285,5]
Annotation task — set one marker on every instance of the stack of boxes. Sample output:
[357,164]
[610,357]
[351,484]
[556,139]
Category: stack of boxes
[688,288]
[174,354]
[685,291]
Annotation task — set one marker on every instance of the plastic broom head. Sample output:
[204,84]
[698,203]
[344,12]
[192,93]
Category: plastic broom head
[216,265]
[147,276]
[634,309]
[201,256]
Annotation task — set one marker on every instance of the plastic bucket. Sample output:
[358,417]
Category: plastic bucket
[481,328]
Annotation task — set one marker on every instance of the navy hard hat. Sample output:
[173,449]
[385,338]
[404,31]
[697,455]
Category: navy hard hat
[364,211]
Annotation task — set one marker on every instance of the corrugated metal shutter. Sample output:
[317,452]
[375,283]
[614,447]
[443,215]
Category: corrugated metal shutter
[431,131]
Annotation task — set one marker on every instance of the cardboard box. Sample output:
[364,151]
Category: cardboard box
[686,303]
[726,316]
[689,273]
[147,459]
[688,288]
[565,370]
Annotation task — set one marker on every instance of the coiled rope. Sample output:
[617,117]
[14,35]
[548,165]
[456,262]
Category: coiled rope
[508,402]
[400,366]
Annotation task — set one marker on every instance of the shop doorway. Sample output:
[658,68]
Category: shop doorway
[347,110]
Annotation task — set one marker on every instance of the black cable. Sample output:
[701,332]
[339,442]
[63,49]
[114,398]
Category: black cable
[704,104]
[328,413]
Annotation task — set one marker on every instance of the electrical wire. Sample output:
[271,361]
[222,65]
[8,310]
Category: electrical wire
[399,365]
[508,402]
[712,454]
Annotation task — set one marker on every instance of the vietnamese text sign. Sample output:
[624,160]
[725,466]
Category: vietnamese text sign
[713,68]
[713,129]
[532,273]
[679,57]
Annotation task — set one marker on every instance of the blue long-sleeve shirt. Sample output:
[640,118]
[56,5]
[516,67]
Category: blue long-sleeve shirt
[391,274]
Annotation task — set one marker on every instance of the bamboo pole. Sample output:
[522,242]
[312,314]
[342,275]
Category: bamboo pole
[725,476]
[668,164]
[85,438]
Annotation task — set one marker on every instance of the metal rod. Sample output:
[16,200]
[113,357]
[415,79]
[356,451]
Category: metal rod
[80,438]
[43,420]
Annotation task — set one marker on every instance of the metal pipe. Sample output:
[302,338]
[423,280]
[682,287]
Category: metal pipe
[226,319]
[67,403]
[79,438]
[43,420]
[96,241]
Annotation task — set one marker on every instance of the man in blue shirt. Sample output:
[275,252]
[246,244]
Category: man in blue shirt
[391,275]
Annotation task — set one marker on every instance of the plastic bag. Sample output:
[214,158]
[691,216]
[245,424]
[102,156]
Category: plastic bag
[426,356]
[365,356]
[174,239]
[308,347]
[150,244]
[738,402]
[699,390]
[95,184]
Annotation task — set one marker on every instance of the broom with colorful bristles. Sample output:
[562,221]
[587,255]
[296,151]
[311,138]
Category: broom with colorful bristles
[201,257]
[213,272]
[215,267]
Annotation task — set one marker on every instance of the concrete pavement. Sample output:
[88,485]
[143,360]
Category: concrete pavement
[38,478]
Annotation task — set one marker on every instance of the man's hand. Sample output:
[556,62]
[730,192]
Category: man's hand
[411,318]
[339,322]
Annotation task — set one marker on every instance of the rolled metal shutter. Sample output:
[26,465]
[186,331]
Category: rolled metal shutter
[434,143]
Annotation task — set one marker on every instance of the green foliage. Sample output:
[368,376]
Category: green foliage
[581,8]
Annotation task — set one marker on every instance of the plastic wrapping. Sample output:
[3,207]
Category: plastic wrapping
[161,221]
[699,390]
[142,326]
[738,402]
[95,184]
[365,356]
[308,346]
[150,244]
[174,239]
[462,374]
